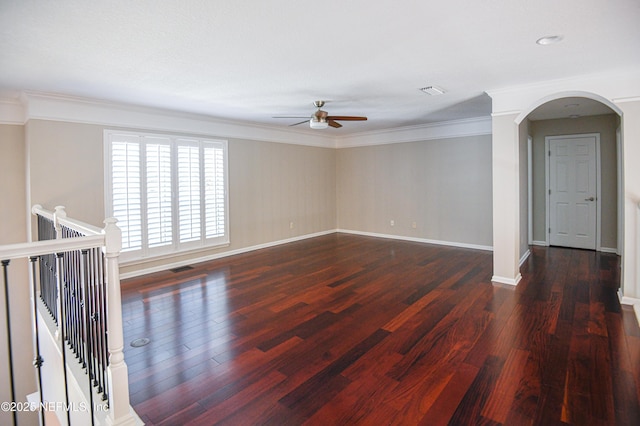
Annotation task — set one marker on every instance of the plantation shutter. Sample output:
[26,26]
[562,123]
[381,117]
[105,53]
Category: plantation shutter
[158,190]
[214,191]
[126,191]
[189,217]
[169,194]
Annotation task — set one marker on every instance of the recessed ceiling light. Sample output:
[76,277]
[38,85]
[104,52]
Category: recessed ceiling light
[432,90]
[544,41]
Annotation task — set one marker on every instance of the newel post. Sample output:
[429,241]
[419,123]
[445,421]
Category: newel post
[118,381]
[59,213]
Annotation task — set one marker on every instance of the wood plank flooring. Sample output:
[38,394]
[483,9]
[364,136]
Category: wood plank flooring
[344,329]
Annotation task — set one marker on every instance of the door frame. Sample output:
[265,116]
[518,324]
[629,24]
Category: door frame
[547,156]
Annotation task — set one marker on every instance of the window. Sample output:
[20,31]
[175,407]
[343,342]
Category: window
[168,193]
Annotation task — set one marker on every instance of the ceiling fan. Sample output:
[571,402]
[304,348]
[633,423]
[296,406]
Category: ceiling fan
[321,119]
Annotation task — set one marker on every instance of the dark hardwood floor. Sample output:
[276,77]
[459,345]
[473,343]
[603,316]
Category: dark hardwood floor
[344,329]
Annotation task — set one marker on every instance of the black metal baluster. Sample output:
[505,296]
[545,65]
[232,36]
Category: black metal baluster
[103,326]
[84,273]
[96,327]
[81,317]
[64,298]
[67,293]
[5,274]
[91,298]
[38,361]
[81,308]
[48,288]
[99,331]
[68,299]
[77,302]
[63,324]
[73,302]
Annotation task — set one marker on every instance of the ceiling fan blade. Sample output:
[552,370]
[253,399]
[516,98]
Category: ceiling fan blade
[334,124]
[295,124]
[346,118]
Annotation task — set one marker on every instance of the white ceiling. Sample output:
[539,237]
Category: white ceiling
[252,60]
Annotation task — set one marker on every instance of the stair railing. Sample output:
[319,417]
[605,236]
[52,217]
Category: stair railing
[74,276]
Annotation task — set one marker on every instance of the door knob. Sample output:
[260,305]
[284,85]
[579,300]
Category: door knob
[589,199]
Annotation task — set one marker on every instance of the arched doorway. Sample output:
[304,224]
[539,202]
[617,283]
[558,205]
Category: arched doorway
[588,213]
[510,109]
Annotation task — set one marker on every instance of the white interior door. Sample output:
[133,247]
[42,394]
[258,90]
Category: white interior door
[573,191]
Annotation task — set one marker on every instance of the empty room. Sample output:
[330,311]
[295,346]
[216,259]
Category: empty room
[330,213]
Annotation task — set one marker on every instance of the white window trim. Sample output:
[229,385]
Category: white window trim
[175,247]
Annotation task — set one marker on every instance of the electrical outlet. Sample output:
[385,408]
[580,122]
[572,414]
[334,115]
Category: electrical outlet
[392,222]
[291,225]
[414,225]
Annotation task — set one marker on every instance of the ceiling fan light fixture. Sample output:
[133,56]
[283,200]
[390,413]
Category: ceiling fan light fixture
[318,124]
[432,90]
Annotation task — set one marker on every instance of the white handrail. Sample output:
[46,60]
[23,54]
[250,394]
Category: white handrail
[38,210]
[59,218]
[83,228]
[40,248]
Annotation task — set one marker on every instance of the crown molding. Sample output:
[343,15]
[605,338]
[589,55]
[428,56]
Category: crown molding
[503,113]
[617,84]
[625,100]
[54,107]
[441,130]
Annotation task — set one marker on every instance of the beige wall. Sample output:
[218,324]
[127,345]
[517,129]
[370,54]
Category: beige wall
[12,185]
[274,184]
[605,125]
[66,167]
[13,219]
[270,184]
[442,185]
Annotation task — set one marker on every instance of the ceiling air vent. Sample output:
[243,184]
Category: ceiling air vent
[181,269]
[432,90]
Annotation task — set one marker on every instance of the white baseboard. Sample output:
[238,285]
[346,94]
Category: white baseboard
[418,240]
[601,249]
[524,257]
[219,255]
[608,250]
[504,280]
[171,265]
[626,300]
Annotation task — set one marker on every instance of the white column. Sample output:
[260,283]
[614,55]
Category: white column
[631,173]
[506,201]
[119,408]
